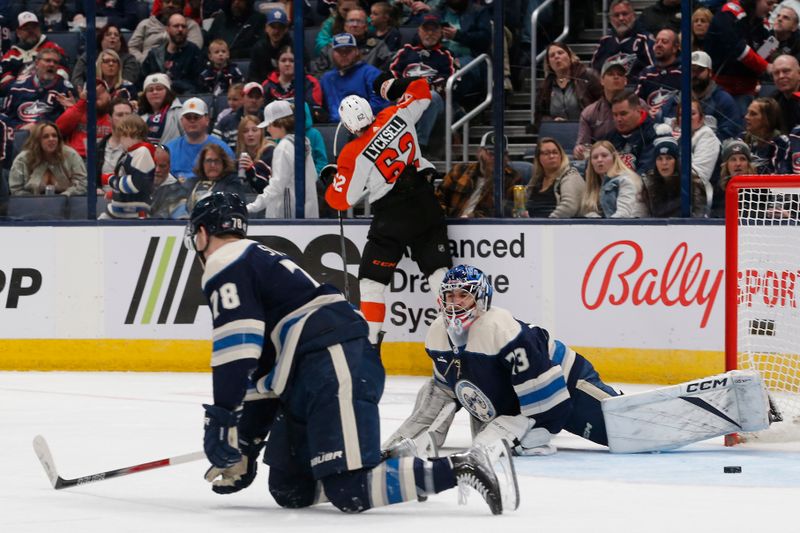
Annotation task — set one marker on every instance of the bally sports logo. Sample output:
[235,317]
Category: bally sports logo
[616,276]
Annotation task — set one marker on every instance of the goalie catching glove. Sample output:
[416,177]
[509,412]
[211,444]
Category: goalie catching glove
[518,430]
[240,475]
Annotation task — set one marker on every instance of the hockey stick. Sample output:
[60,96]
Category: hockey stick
[43,453]
[344,257]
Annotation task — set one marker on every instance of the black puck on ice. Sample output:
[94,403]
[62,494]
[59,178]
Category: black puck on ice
[732,469]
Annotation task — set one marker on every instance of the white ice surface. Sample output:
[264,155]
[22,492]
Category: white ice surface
[102,421]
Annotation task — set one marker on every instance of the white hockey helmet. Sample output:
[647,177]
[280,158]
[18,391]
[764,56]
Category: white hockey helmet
[355,113]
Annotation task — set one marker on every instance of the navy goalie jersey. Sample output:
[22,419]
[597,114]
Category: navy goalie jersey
[267,312]
[507,367]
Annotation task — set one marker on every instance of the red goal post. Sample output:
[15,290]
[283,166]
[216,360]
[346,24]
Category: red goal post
[762,290]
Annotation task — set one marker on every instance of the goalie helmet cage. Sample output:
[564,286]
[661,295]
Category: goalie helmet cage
[762,289]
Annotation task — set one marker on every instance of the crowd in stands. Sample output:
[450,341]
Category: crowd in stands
[198,96]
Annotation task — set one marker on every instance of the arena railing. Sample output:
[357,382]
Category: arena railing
[536,58]
[463,122]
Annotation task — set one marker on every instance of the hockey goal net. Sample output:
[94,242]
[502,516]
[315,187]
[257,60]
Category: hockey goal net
[762,315]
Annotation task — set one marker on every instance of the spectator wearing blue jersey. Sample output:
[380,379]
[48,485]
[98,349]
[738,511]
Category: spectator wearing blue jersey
[185,149]
[350,76]
[628,40]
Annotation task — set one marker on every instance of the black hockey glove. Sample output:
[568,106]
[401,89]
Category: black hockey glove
[327,174]
[221,440]
[391,88]
[240,475]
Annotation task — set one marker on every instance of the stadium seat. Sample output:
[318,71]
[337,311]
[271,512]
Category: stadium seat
[76,207]
[408,33]
[37,207]
[69,41]
[766,89]
[243,64]
[328,132]
[525,170]
[565,132]
[20,136]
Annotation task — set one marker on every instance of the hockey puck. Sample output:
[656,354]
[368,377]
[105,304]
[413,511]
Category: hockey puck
[732,469]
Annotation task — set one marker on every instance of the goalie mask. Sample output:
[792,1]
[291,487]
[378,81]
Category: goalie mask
[464,295]
[221,213]
[355,113]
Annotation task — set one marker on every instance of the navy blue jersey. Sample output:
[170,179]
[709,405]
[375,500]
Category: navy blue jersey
[268,312]
[507,367]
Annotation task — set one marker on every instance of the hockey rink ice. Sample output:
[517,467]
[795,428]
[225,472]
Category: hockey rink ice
[101,421]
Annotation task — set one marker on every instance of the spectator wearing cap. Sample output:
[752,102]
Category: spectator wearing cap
[633,133]
[735,37]
[596,121]
[786,75]
[373,51]
[160,109]
[628,40]
[73,120]
[721,112]
[21,57]
[120,13]
[467,190]
[784,29]
[264,56]
[334,24]
[277,200]
[662,14]
[768,146]
[239,25]
[349,76]
[219,73]
[431,60]
[568,87]
[252,103]
[660,82]
[280,85]
[184,149]
[736,160]
[152,31]
[661,186]
[180,59]
[41,96]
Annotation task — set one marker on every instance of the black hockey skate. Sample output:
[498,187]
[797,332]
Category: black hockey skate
[489,471]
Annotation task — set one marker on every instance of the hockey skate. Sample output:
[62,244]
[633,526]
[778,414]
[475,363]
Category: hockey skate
[490,471]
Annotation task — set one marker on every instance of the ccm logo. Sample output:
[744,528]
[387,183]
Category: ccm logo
[706,385]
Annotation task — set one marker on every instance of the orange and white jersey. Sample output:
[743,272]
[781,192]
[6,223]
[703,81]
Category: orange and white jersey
[373,162]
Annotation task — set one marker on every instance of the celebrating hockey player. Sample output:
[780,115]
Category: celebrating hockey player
[385,163]
[520,384]
[291,358]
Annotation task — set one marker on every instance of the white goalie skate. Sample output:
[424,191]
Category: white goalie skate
[490,471]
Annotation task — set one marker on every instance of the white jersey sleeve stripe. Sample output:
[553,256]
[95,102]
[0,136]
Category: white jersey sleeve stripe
[235,353]
[241,327]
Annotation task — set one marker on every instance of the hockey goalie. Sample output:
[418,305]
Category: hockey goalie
[520,384]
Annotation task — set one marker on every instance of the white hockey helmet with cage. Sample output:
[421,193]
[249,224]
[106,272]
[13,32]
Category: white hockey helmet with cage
[355,113]
[472,281]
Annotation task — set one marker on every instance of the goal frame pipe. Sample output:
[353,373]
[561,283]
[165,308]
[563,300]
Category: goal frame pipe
[732,248]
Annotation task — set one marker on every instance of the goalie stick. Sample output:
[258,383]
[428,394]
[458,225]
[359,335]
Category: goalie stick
[46,458]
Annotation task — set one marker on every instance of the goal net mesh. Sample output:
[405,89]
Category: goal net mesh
[768,307]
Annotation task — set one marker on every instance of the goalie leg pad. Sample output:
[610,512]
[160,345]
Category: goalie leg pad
[431,401]
[671,417]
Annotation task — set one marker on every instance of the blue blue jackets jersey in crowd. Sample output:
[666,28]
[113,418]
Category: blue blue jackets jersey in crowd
[184,154]
[508,367]
[29,101]
[356,80]
[267,313]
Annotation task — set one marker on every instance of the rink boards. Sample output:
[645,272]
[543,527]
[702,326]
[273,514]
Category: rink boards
[644,302]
